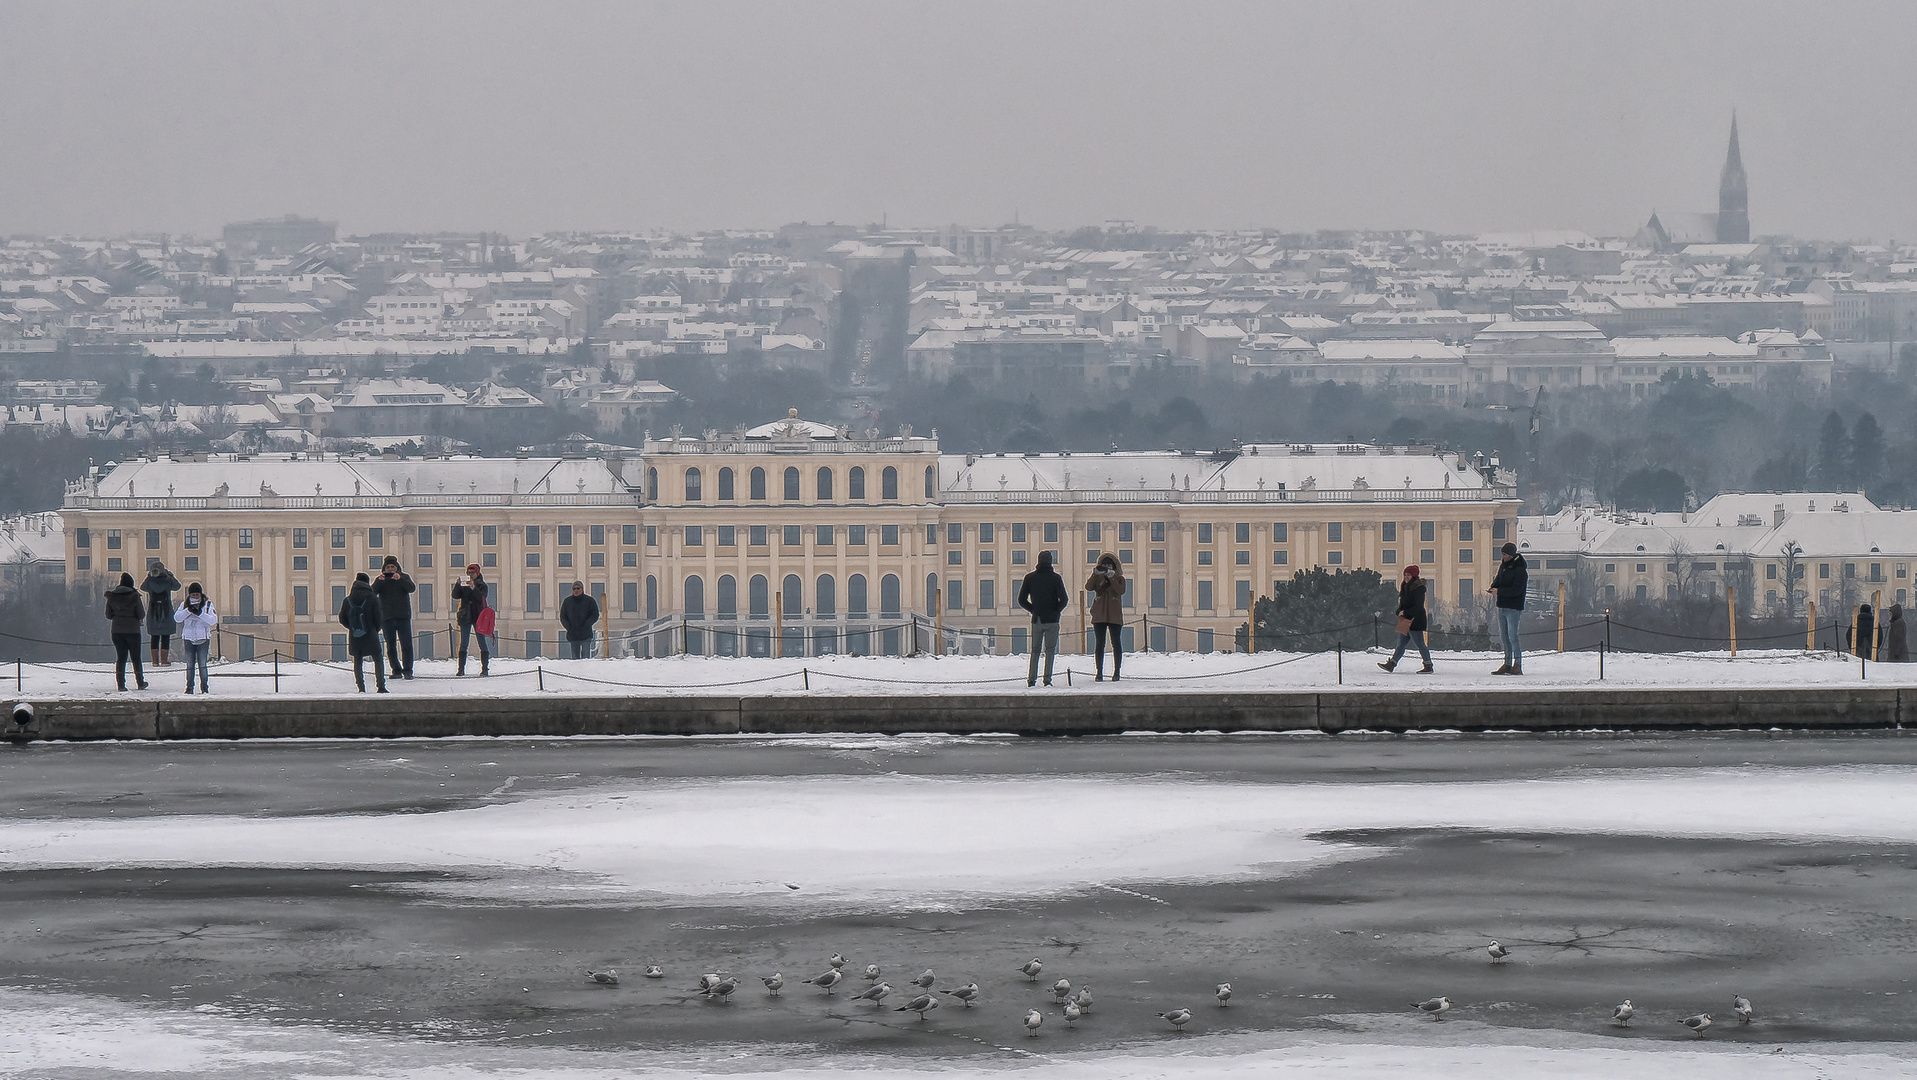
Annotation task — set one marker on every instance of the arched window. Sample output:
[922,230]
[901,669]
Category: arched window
[825,597]
[855,597]
[725,485]
[759,595]
[652,597]
[758,484]
[246,602]
[889,484]
[855,484]
[931,482]
[794,591]
[791,484]
[652,485]
[931,594]
[825,485]
[695,486]
[889,607]
[728,597]
[695,597]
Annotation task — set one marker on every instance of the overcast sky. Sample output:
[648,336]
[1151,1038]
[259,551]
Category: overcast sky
[521,118]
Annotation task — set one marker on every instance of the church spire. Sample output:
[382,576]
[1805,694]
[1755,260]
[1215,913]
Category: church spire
[1733,197]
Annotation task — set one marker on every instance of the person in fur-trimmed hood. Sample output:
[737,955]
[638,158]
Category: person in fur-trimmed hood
[1107,586]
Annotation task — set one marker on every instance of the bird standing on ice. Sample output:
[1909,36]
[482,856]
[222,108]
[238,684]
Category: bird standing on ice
[1498,952]
[608,977]
[1697,1023]
[774,982]
[1032,968]
[828,980]
[1436,1006]
[874,993]
[835,961]
[1622,1014]
[1033,1018]
[871,973]
[1177,1018]
[1224,994]
[722,989]
[1072,1011]
[1741,1005]
[1061,989]
[1084,999]
[967,993]
[922,1004]
[925,979]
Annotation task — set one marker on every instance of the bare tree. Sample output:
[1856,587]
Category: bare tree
[1793,558]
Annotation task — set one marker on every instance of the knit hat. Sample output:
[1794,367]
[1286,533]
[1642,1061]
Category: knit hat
[1510,548]
[390,560]
[1411,571]
[362,579]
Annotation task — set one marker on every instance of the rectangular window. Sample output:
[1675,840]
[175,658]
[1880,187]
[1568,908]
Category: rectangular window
[1427,555]
[1018,640]
[425,560]
[1204,596]
[1241,558]
[985,557]
[792,536]
[424,536]
[532,536]
[1205,641]
[1018,558]
[987,594]
[728,536]
[1204,533]
[301,600]
[246,538]
[629,596]
[1467,592]
[1124,532]
[1158,532]
[152,539]
[855,535]
[1281,558]
[1334,558]
[695,536]
[889,535]
[192,537]
[955,594]
[822,536]
[339,562]
[456,536]
[1125,556]
[1280,533]
[1018,533]
[1427,532]
[565,536]
[1466,531]
[489,535]
[985,532]
[1850,568]
[1158,556]
[1497,528]
[83,537]
[1091,556]
[629,535]
[533,645]
[339,597]
[954,533]
[193,563]
[532,558]
[565,559]
[423,597]
[1388,532]
[338,538]
[757,535]
[1242,601]
[113,566]
[1204,558]
[113,539]
[598,559]
[299,562]
[1335,532]
[489,560]
[373,563]
[1158,592]
[1051,532]
[1390,556]
[339,648]
[955,558]
[532,596]
[931,535]
[1243,530]
[376,538]
[1094,531]
[628,558]
[598,536]
[1465,555]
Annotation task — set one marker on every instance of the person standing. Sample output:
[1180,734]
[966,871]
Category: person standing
[470,593]
[395,591]
[1107,586]
[197,620]
[1412,621]
[125,614]
[1896,650]
[1512,579]
[359,614]
[1043,593]
[159,587]
[1865,641]
[579,613]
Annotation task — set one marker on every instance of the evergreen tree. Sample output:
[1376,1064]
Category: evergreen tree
[1317,609]
[1866,452]
[1833,454]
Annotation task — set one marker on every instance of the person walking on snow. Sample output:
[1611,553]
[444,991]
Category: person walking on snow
[125,613]
[1043,593]
[197,620]
[579,613]
[1411,621]
[359,614]
[1509,585]
[159,587]
[1107,586]
[395,589]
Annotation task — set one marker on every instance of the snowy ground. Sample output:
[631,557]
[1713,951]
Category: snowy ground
[423,910]
[1144,673]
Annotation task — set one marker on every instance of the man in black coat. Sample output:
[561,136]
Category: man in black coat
[395,589]
[359,614]
[1510,584]
[579,613]
[1043,593]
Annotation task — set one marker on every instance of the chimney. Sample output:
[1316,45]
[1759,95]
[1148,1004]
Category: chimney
[1777,515]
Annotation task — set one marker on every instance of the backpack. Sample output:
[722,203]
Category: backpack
[358,621]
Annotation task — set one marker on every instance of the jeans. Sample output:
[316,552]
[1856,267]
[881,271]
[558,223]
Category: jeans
[581,648]
[1508,628]
[466,632]
[1414,637]
[1112,630]
[1044,639]
[399,645]
[359,668]
[124,646]
[196,653]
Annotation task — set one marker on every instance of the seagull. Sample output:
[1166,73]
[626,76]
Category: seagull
[774,982]
[967,993]
[1072,1011]
[1084,999]
[1062,989]
[1033,1018]
[1741,1005]
[608,977]
[1032,969]
[871,973]
[1622,1014]
[1177,1018]
[1224,994]
[654,971]
[828,980]
[707,982]
[925,979]
[723,989]
[1435,1006]
[1697,1023]
[1498,952]
[836,961]
[874,993]
[922,1004]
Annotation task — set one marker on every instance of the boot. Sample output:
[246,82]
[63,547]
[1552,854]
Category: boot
[1516,669]
[166,657]
[156,657]
[1389,665]
[462,664]
[1426,670]
[1503,669]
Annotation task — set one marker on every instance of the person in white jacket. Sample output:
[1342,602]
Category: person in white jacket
[197,620]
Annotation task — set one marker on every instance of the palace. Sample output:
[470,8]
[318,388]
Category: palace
[795,538]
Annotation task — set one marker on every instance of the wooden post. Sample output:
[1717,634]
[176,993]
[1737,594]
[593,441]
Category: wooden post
[1810,629]
[938,620]
[1730,598]
[778,624]
[1560,616]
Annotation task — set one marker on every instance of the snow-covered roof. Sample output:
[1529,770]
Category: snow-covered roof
[1386,349]
[1258,467]
[1682,348]
[300,475]
[792,427]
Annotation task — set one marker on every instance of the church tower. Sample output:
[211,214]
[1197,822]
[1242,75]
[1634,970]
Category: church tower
[1733,200]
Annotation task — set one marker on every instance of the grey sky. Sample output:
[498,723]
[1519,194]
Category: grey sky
[528,117]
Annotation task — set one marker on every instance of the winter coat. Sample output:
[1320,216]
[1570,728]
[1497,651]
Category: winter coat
[159,590]
[1043,593]
[196,626]
[1895,650]
[578,614]
[1511,583]
[395,597]
[124,608]
[1108,593]
[1864,644]
[471,600]
[1411,603]
[361,601]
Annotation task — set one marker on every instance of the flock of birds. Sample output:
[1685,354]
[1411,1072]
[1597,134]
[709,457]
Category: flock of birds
[924,993]
[1436,1007]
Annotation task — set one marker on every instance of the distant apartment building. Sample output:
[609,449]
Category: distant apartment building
[278,236]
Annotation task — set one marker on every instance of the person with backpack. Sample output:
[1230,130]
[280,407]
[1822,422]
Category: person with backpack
[1412,621]
[159,587]
[125,614]
[359,614]
[1043,593]
[579,613]
[197,620]
[470,594]
[395,592]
